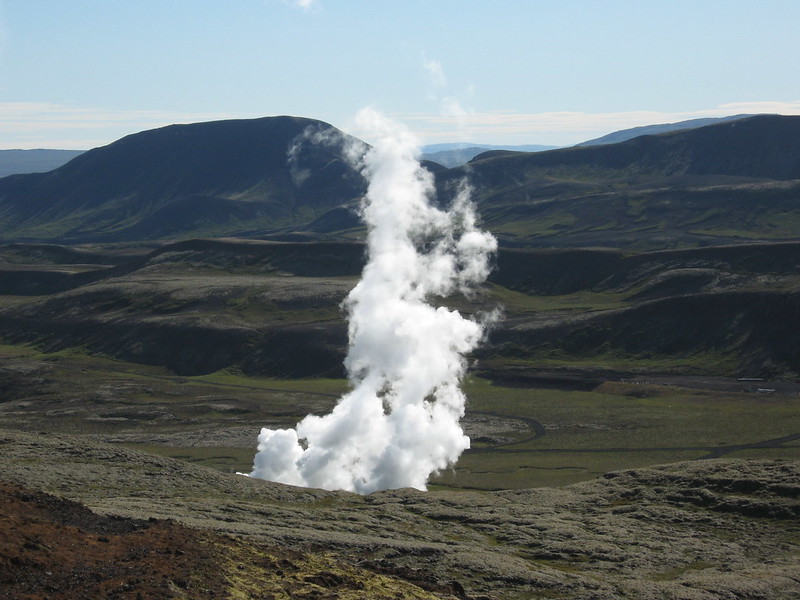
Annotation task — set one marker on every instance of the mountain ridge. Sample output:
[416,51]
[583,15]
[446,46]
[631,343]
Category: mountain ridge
[450,154]
[719,149]
[238,170]
[252,178]
[627,134]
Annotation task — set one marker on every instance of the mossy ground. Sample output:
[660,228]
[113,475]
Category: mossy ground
[522,436]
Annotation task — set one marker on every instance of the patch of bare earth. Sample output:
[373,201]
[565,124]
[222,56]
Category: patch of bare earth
[57,549]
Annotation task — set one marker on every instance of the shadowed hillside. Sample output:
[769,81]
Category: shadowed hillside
[765,146]
[720,184]
[217,177]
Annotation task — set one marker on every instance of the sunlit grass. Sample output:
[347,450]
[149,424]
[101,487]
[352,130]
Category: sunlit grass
[519,303]
[612,428]
[227,459]
[710,362]
[331,387]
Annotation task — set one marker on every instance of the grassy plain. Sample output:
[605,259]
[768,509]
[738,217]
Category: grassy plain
[522,437]
[619,426]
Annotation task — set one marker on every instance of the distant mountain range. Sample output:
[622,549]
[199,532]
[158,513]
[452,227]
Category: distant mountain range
[13,162]
[734,180]
[454,154]
[457,154]
[761,146]
[628,134]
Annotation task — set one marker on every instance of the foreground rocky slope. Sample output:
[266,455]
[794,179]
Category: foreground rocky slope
[58,549]
[703,530]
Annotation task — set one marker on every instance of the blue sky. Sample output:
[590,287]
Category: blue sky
[83,73]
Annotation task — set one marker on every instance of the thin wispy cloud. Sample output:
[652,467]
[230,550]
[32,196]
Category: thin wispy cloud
[563,128]
[435,72]
[49,125]
[305,5]
[781,108]
[451,106]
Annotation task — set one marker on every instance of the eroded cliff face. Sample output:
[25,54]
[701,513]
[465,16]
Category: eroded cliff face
[275,308]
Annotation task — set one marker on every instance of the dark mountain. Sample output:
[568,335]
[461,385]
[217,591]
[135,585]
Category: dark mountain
[722,183]
[627,134]
[220,178]
[13,162]
[765,146]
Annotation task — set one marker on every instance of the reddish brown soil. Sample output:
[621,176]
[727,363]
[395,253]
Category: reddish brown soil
[53,548]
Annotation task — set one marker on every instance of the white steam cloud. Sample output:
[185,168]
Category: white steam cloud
[450,107]
[400,422]
[436,72]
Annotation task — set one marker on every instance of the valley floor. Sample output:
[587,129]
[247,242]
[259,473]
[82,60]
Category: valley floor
[135,442]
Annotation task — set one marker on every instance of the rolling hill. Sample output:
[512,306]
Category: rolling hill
[720,184]
[627,134]
[730,182]
[212,178]
[273,308]
[663,227]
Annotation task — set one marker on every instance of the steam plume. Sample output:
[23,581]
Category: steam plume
[400,422]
